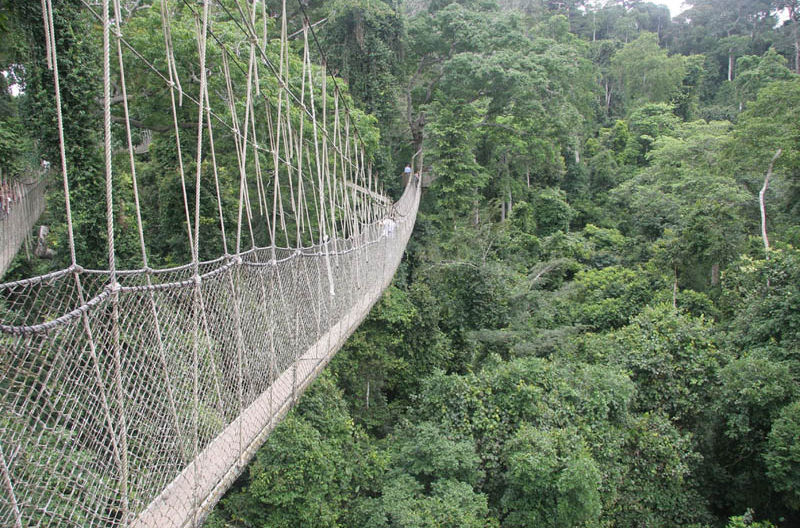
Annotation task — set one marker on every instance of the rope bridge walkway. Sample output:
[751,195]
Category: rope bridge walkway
[21,206]
[134,398]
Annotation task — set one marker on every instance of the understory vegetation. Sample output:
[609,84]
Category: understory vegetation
[592,327]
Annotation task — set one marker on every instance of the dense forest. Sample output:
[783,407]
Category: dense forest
[597,322]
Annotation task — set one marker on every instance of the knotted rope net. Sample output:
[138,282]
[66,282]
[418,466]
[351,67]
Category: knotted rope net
[135,397]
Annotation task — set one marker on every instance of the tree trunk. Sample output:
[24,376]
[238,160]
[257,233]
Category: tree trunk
[730,65]
[762,203]
[675,287]
[715,274]
[796,43]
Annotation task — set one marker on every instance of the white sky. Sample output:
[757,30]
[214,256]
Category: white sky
[675,6]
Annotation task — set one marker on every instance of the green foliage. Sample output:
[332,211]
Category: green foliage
[647,124]
[562,207]
[362,41]
[450,504]
[552,212]
[783,454]
[755,72]
[753,391]
[552,480]
[45,463]
[606,298]
[468,296]
[764,302]
[296,483]
[656,488]
[746,520]
[427,454]
[460,178]
[672,358]
[305,472]
[644,73]
[686,201]
[78,53]
[14,145]
[769,123]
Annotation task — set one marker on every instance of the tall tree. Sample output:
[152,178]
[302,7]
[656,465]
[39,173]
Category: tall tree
[78,60]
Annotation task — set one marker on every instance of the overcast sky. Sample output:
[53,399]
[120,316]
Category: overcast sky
[675,6]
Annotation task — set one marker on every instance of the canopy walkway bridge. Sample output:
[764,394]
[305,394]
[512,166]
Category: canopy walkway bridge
[135,397]
[21,205]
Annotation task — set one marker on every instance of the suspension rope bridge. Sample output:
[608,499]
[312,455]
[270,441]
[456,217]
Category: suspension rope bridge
[21,204]
[135,397]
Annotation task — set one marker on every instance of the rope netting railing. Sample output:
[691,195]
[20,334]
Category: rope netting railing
[267,326]
[135,397]
[21,205]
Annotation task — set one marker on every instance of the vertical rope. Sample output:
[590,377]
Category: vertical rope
[47,38]
[235,276]
[173,83]
[50,30]
[140,229]
[172,67]
[198,292]
[236,140]
[216,174]
[112,267]
[10,490]
[98,378]
[201,43]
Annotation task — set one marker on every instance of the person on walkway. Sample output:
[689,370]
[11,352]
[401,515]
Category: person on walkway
[407,171]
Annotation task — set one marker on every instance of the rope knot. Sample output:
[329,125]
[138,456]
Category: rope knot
[115,287]
[237,260]
[198,280]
